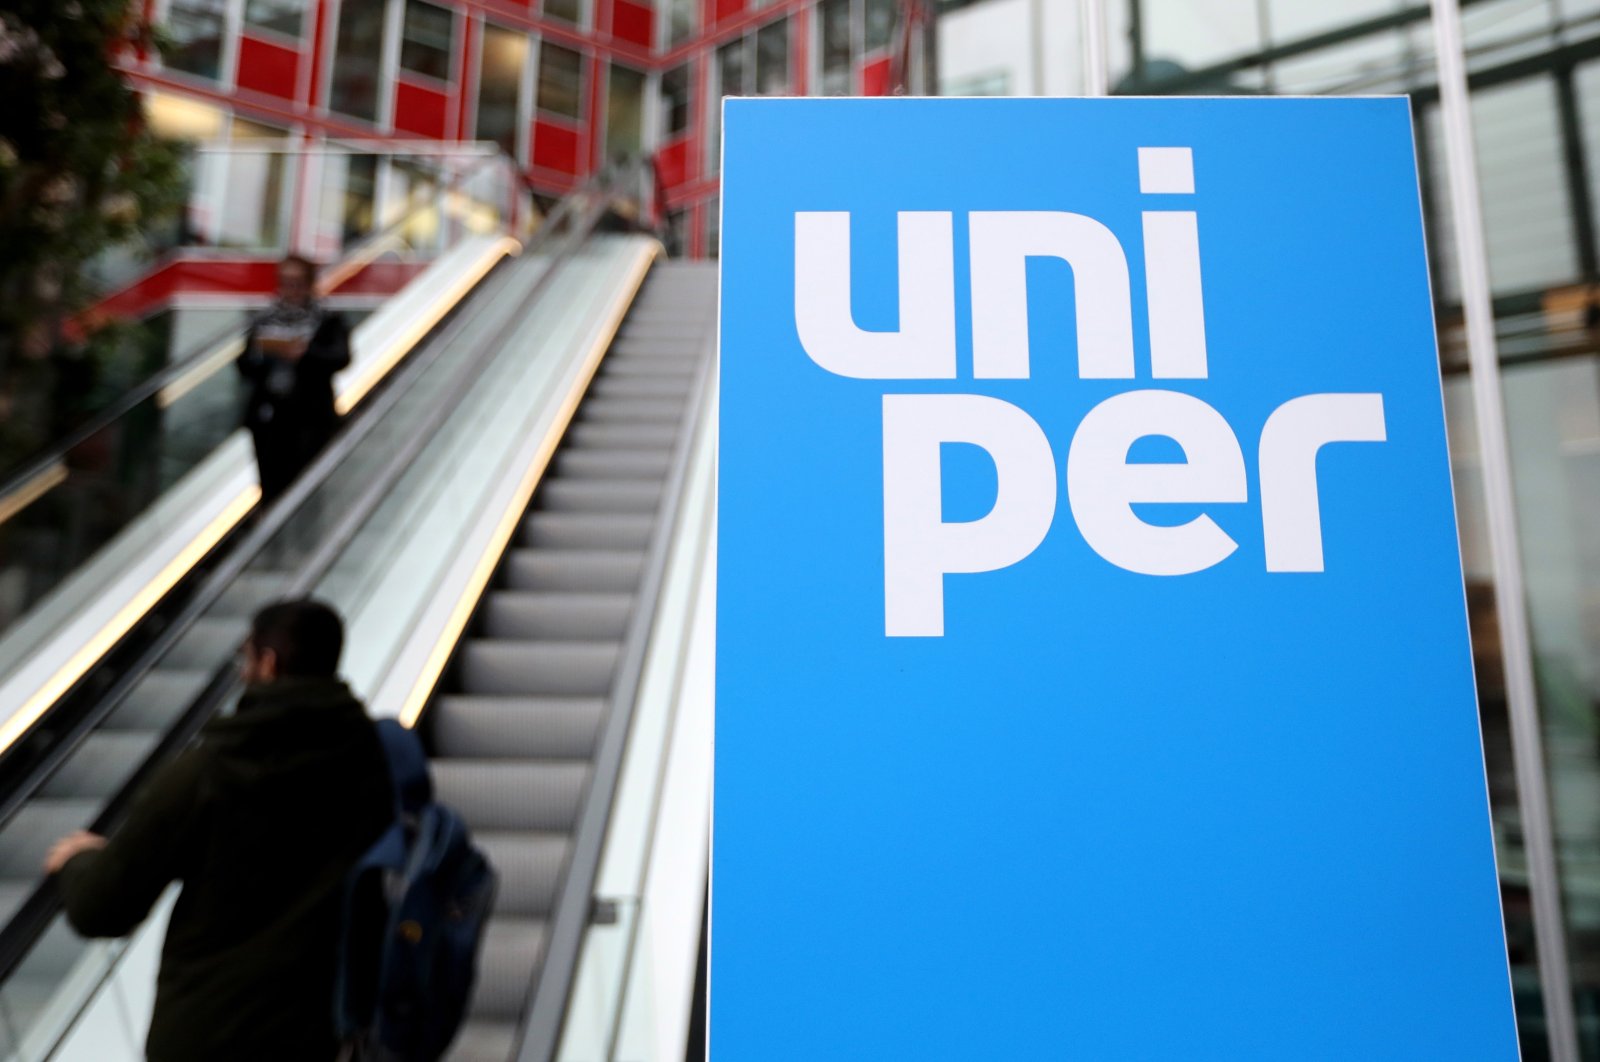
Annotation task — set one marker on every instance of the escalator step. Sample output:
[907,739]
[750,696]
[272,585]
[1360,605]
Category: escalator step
[102,764]
[581,570]
[158,699]
[613,464]
[12,894]
[645,359]
[530,866]
[587,530]
[562,669]
[623,436]
[541,795]
[631,410]
[208,643]
[606,496]
[484,1041]
[35,827]
[528,615]
[516,727]
[673,388]
[512,948]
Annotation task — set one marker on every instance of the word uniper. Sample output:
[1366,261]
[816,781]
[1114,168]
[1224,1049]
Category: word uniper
[920,548]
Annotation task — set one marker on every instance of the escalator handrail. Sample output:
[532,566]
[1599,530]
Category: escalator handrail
[34,916]
[19,482]
[546,1005]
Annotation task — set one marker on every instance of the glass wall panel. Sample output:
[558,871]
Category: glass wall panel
[565,10]
[880,23]
[280,16]
[836,66]
[730,68]
[675,100]
[772,59]
[196,28]
[357,60]
[560,81]
[680,21]
[624,113]
[426,42]
[504,58]
[1527,212]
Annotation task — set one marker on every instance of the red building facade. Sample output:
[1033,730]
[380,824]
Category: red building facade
[562,85]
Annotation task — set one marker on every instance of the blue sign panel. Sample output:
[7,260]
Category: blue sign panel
[1093,673]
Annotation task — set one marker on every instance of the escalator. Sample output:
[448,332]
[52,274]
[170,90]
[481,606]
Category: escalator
[516,730]
[526,701]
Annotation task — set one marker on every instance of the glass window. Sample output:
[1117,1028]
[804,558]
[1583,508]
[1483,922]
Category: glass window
[357,60]
[680,21]
[880,23]
[624,113]
[730,68]
[425,44]
[505,56]
[565,10]
[675,99]
[280,16]
[835,47]
[677,236]
[1527,212]
[560,81]
[196,28]
[360,196]
[772,59]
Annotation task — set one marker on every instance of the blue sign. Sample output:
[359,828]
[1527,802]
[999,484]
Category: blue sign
[1093,678]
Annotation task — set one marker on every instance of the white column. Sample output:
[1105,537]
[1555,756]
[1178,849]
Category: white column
[1526,738]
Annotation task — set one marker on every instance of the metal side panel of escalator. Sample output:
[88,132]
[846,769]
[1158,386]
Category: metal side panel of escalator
[515,728]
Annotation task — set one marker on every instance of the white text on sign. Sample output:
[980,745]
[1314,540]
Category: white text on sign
[920,547]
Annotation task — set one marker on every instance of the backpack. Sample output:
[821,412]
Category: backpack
[415,906]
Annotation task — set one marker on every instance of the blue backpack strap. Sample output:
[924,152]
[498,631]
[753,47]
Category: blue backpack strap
[408,766]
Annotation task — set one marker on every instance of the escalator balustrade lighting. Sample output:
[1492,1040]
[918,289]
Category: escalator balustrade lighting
[97,645]
[428,678]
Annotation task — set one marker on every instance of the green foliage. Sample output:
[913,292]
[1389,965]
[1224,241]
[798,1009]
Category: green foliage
[79,174]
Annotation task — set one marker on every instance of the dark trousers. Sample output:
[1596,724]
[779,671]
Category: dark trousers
[282,453]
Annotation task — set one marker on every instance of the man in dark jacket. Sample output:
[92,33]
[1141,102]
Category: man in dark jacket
[289,358]
[261,820]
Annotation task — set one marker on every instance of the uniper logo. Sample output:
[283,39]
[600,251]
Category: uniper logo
[920,547]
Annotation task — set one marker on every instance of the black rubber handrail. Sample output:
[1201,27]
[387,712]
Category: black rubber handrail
[56,453]
[545,1012]
[41,907]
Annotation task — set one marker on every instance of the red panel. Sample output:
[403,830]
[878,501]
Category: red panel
[633,22]
[267,67]
[555,147]
[875,78]
[726,9]
[672,163]
[381,278]
[420,110]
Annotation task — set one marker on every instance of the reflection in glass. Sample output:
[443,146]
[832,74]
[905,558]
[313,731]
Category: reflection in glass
[730,68]
[624,113]
[357,63]
[772,58]
[836,77]
[196,28]
[280,16]
[880,20]
[505,55]
[560,81]
[425,43]
[675,99]
[565,10]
